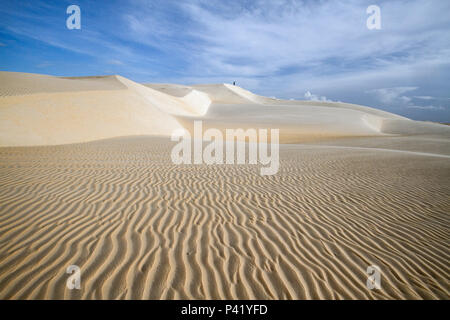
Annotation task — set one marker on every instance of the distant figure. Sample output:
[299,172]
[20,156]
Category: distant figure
[234,83]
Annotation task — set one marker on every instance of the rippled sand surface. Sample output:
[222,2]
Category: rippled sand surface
[141,227]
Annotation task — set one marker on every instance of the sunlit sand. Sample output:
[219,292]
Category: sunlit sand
[86,179]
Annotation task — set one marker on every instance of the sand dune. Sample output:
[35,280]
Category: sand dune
[96,188]
[70,113]
[46,110]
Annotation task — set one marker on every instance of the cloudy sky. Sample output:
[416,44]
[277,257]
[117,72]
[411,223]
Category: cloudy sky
[310,49]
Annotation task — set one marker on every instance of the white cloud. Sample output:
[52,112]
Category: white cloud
[267,38]
[424,97]
[427,107]
[270,38]
[115,62]
[315,97]
[390,96]
[395,97]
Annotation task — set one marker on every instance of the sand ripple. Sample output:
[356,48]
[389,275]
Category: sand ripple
[140,227]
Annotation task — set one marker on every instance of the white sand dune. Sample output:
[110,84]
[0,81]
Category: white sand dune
[46,110]
[73,112]
[95,188]
[299,121]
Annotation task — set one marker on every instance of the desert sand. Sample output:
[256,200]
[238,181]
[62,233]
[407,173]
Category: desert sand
[86,179]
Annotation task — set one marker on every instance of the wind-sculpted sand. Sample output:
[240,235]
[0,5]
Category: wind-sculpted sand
[356,187]
[140,227]
[45,110]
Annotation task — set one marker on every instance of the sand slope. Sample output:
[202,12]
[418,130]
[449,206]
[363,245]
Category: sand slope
[58,111]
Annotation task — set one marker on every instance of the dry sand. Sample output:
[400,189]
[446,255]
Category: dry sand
[356,187]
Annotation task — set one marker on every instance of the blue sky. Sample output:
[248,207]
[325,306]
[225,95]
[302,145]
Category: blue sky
[288,49]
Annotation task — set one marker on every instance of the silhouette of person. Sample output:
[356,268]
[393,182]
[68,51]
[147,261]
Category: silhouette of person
[234,83]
